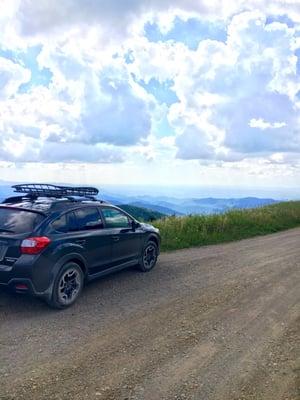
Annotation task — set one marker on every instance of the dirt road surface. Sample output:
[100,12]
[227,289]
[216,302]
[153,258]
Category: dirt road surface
[217,322]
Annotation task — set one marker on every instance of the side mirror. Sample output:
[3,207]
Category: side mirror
[135,225]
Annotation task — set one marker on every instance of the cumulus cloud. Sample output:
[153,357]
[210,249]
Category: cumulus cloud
[233,100]
[12,75]
[89,104]
[114,113]
[239,96]
[39,126]
[112,16]
[78,152]
[194,144]
[28,149]
[261,124]
[117,16]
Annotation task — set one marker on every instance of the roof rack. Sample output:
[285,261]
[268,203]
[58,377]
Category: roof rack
[45,190]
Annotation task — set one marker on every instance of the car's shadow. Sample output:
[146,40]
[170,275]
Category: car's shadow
[15,303]
[12,303]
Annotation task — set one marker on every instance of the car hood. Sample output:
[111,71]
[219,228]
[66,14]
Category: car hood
[148,227]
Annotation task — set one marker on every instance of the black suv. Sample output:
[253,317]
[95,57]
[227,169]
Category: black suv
[53,239]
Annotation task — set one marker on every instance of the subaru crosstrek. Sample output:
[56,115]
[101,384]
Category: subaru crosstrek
[53,239]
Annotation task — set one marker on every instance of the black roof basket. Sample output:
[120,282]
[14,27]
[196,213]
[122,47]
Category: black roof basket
[45,190]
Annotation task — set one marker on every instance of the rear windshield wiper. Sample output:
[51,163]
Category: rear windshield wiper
[6,230]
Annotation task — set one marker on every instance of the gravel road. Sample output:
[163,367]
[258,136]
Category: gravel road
[216,322]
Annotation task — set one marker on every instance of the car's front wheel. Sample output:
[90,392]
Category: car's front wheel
[67,286]
[149,257]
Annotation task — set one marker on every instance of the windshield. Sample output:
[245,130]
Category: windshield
[18,221]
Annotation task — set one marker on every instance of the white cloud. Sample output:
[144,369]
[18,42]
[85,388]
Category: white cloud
[113,17]
[238,99]
[88,103]
[29,150]
[116,17]
[114,113]
[161,61]
[12,75]
[262,124]
[194,144]
[229,92]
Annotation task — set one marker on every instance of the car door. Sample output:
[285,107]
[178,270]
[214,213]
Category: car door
[94,239]
[126,240]
[82,229]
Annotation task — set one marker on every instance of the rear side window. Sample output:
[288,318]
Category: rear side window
[18,221]
[65,223]
[115,218]
[88,218]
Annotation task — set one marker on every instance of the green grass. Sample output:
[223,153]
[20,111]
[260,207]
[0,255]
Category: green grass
[198,230]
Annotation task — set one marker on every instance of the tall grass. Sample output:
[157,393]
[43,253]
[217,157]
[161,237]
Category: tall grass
[197,230]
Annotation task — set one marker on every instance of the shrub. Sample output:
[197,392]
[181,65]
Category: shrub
[197,230]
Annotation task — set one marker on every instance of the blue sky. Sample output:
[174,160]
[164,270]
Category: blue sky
[28,59]
[167,93]
[189,32]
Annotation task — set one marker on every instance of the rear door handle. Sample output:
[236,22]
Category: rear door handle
[116,238]
[81,242]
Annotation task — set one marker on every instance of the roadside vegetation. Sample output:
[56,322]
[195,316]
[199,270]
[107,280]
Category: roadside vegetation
[142,214]
[198,230]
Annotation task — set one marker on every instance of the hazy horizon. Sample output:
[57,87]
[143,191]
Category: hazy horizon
[185,191]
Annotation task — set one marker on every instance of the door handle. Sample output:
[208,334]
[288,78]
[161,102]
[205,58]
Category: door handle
[81,242]
[116,238]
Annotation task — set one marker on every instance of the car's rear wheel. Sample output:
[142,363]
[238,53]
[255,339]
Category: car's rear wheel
[149,257]
[67,286]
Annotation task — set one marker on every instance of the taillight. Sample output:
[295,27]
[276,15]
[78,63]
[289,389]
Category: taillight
[34,245]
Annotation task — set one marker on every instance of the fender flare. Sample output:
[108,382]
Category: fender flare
[69,257]
[62,261]
[154,238]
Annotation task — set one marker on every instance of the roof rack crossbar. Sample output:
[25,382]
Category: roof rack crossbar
[46,190]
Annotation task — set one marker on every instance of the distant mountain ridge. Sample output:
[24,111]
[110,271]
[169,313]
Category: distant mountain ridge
[216,205]
[156,207]
[174,206]
[142,214]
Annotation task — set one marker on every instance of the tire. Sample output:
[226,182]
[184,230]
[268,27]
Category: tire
[149,257]
[67,286]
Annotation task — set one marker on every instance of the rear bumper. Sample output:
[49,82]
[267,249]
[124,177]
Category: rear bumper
[28,275]
[24,286]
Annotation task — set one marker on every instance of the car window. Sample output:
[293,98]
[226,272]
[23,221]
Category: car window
[18,221]
[65,223]
[88,218]
[115,218]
